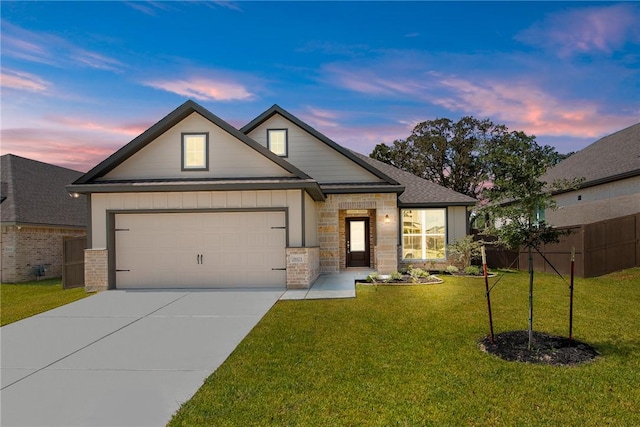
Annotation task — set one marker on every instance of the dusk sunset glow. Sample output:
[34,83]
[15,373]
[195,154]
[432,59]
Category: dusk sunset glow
[82,79]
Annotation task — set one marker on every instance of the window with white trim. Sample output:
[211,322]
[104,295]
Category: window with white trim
[195,151]
[277,141]
[424,234]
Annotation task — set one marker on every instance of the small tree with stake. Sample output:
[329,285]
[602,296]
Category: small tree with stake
[518,197]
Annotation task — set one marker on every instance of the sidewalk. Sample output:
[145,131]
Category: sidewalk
[329,286]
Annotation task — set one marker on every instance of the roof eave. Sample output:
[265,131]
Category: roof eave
[601,181]
[370,189]
[311,187]
[433,204]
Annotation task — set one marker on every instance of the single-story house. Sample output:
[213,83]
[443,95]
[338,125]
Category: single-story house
[36,216]
[611,187]
[194,202]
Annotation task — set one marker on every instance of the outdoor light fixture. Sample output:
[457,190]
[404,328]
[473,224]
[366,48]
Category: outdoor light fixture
[387,220]
[74,195]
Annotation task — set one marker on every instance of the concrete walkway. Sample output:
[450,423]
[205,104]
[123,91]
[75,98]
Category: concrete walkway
[329,286]
[121,358]
[131,358]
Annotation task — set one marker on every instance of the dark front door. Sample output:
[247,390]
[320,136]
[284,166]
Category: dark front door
[357,231]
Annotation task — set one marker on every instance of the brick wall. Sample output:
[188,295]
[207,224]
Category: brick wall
[384,235]
[25,247]
[96,270]
[303,267]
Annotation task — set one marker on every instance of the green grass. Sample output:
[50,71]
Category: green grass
[408,356]
[22,300]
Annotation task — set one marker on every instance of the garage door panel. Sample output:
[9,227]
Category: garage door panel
[214,249]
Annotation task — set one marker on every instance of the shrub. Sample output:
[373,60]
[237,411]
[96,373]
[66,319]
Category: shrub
[464,250]
[452,269]
[417,273]
[472,270]
[372,278]
[396,275]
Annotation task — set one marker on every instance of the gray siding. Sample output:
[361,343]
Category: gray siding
[598,203]
[228,157]
[313,156]
[456,223]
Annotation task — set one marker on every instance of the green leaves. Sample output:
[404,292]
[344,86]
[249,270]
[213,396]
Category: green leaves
[445,152]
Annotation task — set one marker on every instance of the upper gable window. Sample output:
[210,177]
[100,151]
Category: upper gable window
[277,141]
[195,151]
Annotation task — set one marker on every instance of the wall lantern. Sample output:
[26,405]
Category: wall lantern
[74,195]
[387,220]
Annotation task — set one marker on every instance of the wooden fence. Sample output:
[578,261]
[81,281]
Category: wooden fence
[73,266]
[601,248]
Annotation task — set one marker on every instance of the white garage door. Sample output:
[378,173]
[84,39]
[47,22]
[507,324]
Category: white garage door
[200,250]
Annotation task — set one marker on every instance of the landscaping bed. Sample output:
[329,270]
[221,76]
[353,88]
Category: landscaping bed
[545,349]
[413,276]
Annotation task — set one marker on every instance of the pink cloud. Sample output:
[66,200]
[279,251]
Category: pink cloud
[523,106]
[369,82]
[68,148]
[51,49]
[204,89]
[21,80]
[321,118]
[127,129]
[592,29]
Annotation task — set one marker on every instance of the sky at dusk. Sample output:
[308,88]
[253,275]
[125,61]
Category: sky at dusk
[81,79]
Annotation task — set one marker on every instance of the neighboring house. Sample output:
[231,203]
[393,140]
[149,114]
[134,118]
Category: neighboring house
[36,215]
[611,188]
[194,202]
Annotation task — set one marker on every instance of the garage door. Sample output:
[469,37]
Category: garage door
[200,250]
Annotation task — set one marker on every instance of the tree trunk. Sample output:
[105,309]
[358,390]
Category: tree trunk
[530,298]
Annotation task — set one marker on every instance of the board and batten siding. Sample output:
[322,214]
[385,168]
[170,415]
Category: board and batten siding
[317,159]
[101,203]
[228,156]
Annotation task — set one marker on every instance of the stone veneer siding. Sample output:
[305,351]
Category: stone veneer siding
[25,248]
[303,267]
[332,246]
[96,270]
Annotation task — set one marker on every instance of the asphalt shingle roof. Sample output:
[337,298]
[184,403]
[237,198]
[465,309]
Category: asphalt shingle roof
[613,157]
[419,191]
[35,193]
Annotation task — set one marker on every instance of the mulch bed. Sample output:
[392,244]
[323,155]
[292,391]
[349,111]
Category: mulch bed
[546,349]
[406,280]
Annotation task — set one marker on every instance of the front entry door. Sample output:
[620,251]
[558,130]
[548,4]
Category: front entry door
[357,231]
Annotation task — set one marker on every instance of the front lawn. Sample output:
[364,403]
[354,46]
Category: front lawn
[408,355]
[18,301]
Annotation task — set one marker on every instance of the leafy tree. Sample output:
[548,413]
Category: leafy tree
[517,197]
[446,152]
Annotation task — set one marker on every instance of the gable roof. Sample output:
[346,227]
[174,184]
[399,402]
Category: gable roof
[276,109]
[34,192]
[167,123]
[419,192]
[614,157]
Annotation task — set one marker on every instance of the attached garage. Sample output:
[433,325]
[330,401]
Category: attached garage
[243,249]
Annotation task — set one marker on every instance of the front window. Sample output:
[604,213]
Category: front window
[195,147]
[277,141]
[423,234]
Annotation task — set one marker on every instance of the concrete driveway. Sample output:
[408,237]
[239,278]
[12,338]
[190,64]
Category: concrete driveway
[121,358]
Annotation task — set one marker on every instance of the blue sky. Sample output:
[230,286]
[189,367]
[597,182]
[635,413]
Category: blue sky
[81,79]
